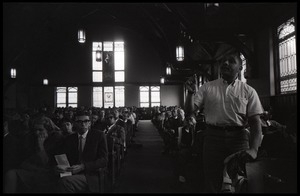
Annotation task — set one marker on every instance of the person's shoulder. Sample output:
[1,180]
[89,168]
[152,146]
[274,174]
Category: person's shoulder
[213,82]
[56,133]
[71,135]
[95,131]
[246,86]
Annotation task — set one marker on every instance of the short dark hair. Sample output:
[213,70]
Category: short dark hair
[236,54]
[64,120]
[81,113]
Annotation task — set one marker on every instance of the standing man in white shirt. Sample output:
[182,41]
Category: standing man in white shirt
[229,105]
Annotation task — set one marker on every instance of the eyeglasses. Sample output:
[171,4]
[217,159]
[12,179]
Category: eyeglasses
[82,121]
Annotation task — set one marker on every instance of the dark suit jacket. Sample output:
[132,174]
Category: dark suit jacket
[94,155]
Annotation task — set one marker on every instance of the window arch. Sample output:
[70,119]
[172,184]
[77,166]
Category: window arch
[287,57]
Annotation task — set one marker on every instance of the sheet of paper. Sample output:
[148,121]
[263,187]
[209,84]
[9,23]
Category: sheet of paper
[62,162]
[65,174]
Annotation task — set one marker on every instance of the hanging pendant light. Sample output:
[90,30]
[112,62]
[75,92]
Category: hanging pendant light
[168,70]
[13,73]
[98,54]
[45,81]
[212,8]
[207,5]
[180,53]
[162,80]
[81,35]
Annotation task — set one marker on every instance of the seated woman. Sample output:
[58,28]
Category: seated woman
[34,174]
[66,126]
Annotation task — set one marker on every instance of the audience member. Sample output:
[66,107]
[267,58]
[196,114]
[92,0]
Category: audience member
[66,126]
[35,173]
[86,151]
[128,128]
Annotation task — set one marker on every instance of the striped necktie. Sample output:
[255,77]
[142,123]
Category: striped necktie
[80,147]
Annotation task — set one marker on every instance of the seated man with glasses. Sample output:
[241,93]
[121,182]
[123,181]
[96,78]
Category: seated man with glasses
[86,150]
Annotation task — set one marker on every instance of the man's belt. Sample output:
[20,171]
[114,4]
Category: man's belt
[226,127]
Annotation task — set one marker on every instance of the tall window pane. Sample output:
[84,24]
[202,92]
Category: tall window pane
[119,61]
[97,97]
[72,96]
[119,96]
[108,97]
[61,96]
[108,46]
[287,57]
[119,76]
[97,65]
[155,96]
[119,55]
[144,96]
[97,76]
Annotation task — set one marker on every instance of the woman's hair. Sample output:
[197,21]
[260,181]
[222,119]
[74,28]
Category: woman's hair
[180,111]
[45,122]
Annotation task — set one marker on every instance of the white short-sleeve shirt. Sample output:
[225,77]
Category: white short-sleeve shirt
[227,105]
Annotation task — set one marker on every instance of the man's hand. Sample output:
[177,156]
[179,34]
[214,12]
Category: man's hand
[252,152]
[76,168]
[60,169]
[41,139]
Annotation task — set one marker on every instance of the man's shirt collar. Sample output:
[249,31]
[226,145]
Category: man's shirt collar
[83,135]
[233,83]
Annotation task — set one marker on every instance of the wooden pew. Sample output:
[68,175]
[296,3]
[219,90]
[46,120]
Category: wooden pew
[112,155]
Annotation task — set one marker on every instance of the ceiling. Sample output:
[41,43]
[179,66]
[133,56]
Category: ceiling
[37,27]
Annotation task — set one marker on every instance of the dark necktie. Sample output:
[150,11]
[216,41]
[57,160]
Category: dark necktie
[80,148]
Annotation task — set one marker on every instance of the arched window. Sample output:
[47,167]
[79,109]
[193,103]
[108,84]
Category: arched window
[66,96]
[149,96]
[287,57]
